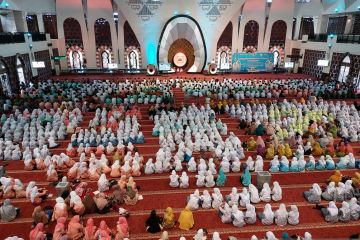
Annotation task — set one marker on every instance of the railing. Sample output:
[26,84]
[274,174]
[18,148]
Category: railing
[322,37]
[348,39]
[7,38]
[38,37]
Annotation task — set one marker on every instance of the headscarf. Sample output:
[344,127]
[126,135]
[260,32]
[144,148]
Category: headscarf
[60,223]
[35,232]
[90,228]
[74,198]
[250,211]
[270,236]
[164,236]
[345,208]
[332,208]
[246,178]
[39,215]
[60,203]
[123,225]
[186,219]
[33,194]
[293,213]
[354,206]
[29,188]
[8,211]
[216,236]
[317,189]
[199,234]
[168,215]
[282,212]
[268,213]
[153,219]
[307,236]
[103,230]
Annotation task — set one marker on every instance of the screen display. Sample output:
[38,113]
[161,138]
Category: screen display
[113,66]
[38,64]
[323,63]
[289,64]
[164,66]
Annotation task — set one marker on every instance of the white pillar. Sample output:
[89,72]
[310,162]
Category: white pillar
[322,24]
[40,21]
[20,21]
[297,28]
[348,26]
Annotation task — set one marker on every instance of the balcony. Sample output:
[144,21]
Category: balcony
[322,37]
[38,37]
[8,38]
[354,39]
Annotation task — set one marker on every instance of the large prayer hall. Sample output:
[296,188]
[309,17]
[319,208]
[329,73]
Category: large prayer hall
[179,120]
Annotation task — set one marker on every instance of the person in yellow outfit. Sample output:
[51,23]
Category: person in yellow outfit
[317,150]
[336,177]
[186,219]
[168,221]
[281,150]
[270,152]
[251,144]
[356,179]
[288,151]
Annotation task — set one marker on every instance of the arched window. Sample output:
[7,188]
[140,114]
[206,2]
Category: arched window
[357,83]
[76,60]
[223,60]
[20,71]
[4,78]
[133,60]
[105,59]
[276,58]
[344,69]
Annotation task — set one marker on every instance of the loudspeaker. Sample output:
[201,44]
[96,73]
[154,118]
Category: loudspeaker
[212,68]
[151,69]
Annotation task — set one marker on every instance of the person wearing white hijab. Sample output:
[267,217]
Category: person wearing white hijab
[265,194]
[233,197]
[276,192]
[354,209]
[174,179]
[349,190]
[103,183]
[216,236]
[331,212]
[200,179]
[267,216]
[250,214]
[314,194]
[149,167]
[329,192]
[194,200]
[270,236]
[29,187]
[217,198]
[205,200]
[210,182]
[237,216]
[340,192]
[244,197]
[184,180]
[307,236]
[344,212]
[281,215]
[254,194]
[199,235]
[253,237]
[225,213]
[293,217]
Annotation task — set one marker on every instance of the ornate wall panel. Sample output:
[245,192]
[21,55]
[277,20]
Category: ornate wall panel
[278,34]
[184,46]
[44,56]
[336,25]
[356,25]
[311,58]
[251,34]
[50,25]
[72,33]
[306,27]
[336,61]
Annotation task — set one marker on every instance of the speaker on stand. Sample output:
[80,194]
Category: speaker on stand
[151,70]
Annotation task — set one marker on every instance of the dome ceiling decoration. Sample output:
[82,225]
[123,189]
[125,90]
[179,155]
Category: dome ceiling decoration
[145,8]
[214,8]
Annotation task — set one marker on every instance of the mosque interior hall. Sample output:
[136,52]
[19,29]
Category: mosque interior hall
[179,120]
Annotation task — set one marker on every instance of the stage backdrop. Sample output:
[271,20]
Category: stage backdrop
[252,62]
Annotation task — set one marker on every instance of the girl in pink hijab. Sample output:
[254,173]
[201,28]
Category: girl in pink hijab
[260,146]
[90,230]
[59,231]
[122,229]
[103,233]
[37,233]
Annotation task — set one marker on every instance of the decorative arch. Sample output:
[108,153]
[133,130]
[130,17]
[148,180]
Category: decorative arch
[251,35]
[76,57]
[278,34]
[74,43]
[223,56]
[183,26]
[279,54]
[226,37]
[344,71]
[5,78]
[132,58]
[103,43]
